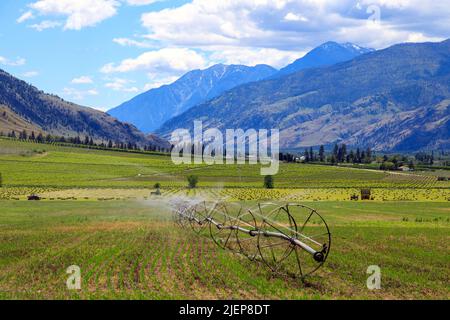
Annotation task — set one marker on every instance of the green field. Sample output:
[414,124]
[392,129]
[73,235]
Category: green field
[97,214]
[26,164]
[131,250]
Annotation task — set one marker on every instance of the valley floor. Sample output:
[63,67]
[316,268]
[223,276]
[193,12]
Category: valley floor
[97,213]
[134,250]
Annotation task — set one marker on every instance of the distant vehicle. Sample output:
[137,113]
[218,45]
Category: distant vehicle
[366,194]
[34,197]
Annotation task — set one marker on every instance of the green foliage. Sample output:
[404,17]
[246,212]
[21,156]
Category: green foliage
[192,181]
[268,182]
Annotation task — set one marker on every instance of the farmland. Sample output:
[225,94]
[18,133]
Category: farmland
[132,250]
[98,214]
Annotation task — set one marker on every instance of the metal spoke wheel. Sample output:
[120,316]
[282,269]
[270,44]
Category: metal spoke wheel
[181,215]
[277,228]
[198,216]
[222,225]
[248,242]
[314,234]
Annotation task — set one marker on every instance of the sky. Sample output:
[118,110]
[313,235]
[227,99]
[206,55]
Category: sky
[100,53]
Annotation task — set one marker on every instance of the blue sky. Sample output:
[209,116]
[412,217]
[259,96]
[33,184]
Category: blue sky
[100,53]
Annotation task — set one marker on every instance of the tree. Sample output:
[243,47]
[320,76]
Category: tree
[307,158]
[311,154]
[192,181]
[33,137]
[268,182]
[333,159]
[24,135]
[322,153]
[387,165]
[369,155]
[358,156]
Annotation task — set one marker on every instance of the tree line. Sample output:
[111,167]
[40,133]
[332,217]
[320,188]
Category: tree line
[339,154]
[86,141]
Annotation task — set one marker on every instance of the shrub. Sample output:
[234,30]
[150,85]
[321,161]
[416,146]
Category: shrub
[268,182]
[192,181]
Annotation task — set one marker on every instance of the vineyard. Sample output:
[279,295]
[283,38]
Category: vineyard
[230,194]
[25,164]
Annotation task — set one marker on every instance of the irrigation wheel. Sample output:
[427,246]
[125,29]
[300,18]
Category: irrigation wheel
[223,229]
[181,215]
[276,250]
[198,216]
[313,231]
[248,243]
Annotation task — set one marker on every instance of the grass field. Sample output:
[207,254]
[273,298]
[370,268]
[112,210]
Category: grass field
[97,214]
[132,250]
[26,164]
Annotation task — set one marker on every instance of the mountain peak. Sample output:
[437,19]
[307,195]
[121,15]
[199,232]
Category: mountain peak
[326,54]
[151,109]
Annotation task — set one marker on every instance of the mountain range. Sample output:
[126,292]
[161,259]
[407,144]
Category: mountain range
[149,110]
[396,99]
[24,107]
[392,99]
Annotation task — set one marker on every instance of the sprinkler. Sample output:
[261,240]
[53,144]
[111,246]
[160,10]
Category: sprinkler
[290,238]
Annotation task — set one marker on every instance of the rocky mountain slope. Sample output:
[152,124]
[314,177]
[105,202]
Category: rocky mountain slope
[148,111]
[390,99]
[25,107]
[324,55]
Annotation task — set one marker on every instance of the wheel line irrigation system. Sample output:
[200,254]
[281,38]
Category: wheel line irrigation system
[268,232]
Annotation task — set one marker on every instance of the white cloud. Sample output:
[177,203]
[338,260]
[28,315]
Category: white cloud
[166,61]
[82,80]
[142,2]
[253,56]
[79,13]
[156,82]
[126,42]
[295,17]
[294,24]
[26,16]
[12,63]
[30,74]
[119,84]
[79,94]
[46,24]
